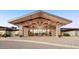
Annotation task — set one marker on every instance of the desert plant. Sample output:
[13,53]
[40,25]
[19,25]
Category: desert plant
[66,34]
[6,35]
[16,34]
[0,34]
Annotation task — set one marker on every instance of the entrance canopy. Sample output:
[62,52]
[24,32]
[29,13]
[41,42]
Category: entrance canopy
[40,24]
[41,14]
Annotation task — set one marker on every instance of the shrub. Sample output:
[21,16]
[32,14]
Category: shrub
[6,35]
[0,34]
[66,34]
[17,35]
[20,35]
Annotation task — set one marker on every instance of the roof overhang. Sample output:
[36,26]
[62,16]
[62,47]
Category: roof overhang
[69,29]
[45,15]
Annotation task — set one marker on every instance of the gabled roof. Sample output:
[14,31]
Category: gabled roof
[43,15]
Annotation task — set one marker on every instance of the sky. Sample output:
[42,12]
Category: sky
[8,15]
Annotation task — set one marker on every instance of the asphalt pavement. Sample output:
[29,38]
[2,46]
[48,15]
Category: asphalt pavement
[26,45]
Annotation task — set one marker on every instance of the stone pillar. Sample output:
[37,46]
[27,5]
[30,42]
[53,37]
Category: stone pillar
[20,30]
[58,30]
[53,32]
[25,31]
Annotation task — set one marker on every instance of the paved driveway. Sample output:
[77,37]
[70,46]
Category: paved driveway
[25,45]
[46,42]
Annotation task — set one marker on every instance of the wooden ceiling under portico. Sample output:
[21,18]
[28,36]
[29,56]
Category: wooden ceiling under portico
[41,14]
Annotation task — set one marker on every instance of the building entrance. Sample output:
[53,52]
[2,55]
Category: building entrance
[39,32]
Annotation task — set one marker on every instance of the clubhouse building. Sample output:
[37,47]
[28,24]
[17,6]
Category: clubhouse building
[40,23]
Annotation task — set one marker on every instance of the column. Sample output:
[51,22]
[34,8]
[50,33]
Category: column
[25,31]
[58,30]
[53,32]
[20,30]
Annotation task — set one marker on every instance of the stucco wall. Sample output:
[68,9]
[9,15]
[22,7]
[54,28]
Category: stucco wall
[72,33]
